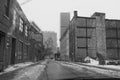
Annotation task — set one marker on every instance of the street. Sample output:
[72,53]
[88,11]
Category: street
[54,70]
[57,71]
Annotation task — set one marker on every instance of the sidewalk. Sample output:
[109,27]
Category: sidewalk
[18,66]
[30,71]
[102,69]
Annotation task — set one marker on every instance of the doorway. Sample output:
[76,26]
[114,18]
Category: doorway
[2,46]
[13,48]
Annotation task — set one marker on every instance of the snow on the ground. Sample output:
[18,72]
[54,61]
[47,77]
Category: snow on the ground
[111,73]
[92,61]
[16,66]
[31,73]
[96,63]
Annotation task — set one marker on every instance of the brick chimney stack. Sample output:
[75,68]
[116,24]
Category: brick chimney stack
[75,14]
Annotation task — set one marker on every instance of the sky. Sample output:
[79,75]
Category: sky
[46,13]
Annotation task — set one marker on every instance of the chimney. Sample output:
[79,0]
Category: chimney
[75,14]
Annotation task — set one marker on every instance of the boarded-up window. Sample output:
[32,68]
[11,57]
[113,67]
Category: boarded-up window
[119,33]
[81,42]
[111,33]
[81,53]
[81,32]
[111,43]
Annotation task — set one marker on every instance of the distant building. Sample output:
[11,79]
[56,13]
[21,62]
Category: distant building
[50,40]
[64,45]
[64,38]
[64,22]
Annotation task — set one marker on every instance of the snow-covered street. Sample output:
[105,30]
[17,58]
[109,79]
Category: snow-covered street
[109,70]
[58,70]
[27,72]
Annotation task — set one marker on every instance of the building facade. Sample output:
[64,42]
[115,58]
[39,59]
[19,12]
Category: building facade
[112,39]
[15,42]
[93,36]
[36,41]
[13,34]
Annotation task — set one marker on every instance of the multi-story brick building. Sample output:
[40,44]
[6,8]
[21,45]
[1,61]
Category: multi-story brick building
[94,36]
[5,24]
[14,37]
[80,35]
[13,34]
[36,41]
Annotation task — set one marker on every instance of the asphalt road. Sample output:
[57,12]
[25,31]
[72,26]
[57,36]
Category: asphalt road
[57,71]
[54,71]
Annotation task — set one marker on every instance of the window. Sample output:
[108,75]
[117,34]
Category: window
[21,25]
[26,30]
[7,8]
[14,18]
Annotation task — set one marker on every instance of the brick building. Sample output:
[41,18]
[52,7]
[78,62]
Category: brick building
[93,36]
[36,41]
[14,38]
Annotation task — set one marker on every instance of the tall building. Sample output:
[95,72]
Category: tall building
[64,35]
[64,45]
[50,40]
[64,22]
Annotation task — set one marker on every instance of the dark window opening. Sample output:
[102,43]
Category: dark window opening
[7,9]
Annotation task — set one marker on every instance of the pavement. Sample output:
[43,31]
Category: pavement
[52,70]
[59,71]
[31,72]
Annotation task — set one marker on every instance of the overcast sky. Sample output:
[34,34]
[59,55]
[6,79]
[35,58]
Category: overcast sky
[46,13]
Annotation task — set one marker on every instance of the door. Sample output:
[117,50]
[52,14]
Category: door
[2,45]
[13,47]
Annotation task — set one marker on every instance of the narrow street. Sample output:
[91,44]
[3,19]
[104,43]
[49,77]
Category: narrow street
[57,71]
[52,70]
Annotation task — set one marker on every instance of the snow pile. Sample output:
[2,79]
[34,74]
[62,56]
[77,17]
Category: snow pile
[92,61]
[108,72]
[30,73]
[17,66]
[117,67]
